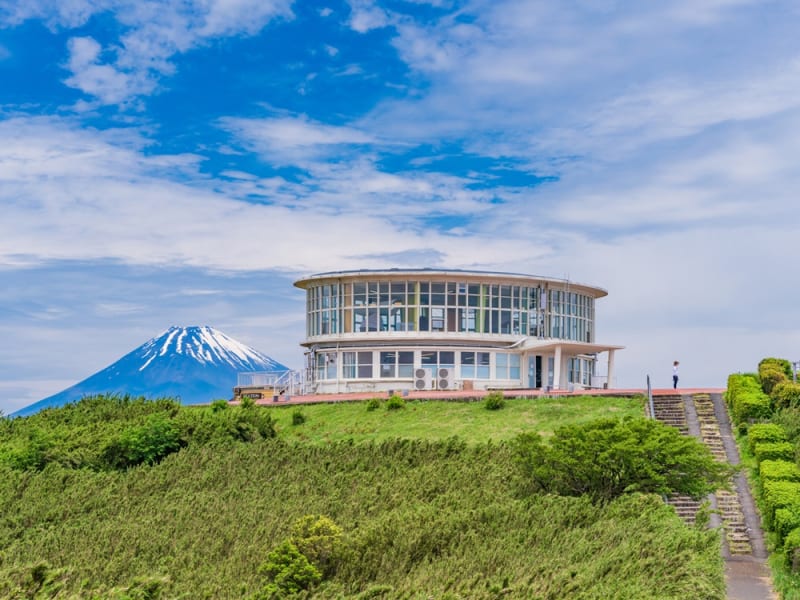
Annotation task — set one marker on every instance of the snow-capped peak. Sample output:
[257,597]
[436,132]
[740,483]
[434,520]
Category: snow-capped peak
[206,345]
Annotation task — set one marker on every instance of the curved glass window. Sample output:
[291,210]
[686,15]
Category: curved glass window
[384,307]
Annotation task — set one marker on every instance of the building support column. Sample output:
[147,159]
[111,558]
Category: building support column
[610,376]
[557,369]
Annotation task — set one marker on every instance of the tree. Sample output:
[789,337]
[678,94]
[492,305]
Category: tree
[606,458]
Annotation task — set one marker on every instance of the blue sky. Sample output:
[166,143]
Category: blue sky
[181,162]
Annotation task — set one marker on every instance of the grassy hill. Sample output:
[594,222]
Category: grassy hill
[422,515]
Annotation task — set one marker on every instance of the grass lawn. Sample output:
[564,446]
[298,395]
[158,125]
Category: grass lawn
[436,420]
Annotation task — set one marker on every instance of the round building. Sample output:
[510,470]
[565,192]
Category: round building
[430,329]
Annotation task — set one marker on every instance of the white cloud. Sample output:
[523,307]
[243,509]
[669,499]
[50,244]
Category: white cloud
[153,32]
[366,16]
[60,184]
[288,140]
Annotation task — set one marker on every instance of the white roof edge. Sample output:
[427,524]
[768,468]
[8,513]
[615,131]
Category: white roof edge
[429,272]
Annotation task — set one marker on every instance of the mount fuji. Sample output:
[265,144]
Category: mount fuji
[192,364]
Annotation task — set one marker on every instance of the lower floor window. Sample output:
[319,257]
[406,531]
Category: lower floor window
[357,365]
[326,365]
[506,366]
[475,365]
[397,364]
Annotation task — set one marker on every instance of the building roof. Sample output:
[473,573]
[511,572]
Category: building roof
[450,274]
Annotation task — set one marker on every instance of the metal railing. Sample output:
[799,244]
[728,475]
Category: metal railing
[289,382]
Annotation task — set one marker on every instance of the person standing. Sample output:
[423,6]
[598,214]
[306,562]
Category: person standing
[675,375]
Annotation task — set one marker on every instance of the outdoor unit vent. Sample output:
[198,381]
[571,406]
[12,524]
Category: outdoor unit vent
[444,379]
[422,379]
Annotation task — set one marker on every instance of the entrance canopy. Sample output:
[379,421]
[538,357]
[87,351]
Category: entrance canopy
[563,349]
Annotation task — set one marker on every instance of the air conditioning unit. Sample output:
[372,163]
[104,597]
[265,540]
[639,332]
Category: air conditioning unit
[422,379]
[444,379]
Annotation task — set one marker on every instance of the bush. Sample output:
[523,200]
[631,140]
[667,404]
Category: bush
[791,548]
[760,433]
[289,571]
[786,519]
[144,444]
[301,561]
[373,404]
[494,401]
[778,494]
[786,394]
[781,363]
[298,417]
[779,469]
[237,423]
[774,451]
[319,539]
[746,399]
[770,375]
[395,403]
[218,405]
[789,419]
[606,458]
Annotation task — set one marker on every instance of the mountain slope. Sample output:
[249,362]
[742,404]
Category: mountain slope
[193,364]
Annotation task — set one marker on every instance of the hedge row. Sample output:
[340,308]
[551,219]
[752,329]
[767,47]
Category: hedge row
[753,397]
[779,494]
[745,398]
[762,433]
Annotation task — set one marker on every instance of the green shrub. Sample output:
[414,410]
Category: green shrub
[752,406]
[779,469]
[289,571]
[786,519]
[298,417]
[778,494]
[770,376]
[606,458]
[144,444]
[786,394]
[242,424]
[395,403]
[738,382]
[494,401]
[247,402]
[319,539]
[746,399]
[774,451]
[781,363]
[373,404]
[791,548]
[218,405]
[760,433]
[789,419]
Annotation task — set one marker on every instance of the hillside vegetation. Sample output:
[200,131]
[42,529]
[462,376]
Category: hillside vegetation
[232,508]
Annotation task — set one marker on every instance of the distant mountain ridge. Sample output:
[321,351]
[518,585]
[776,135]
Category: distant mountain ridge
[194,364]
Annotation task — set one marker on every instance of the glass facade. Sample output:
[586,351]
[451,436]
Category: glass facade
[387,307]
[401,329]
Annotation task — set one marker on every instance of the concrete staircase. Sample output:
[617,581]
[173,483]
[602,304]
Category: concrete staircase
[696,415]
[671,411]
[728,505]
